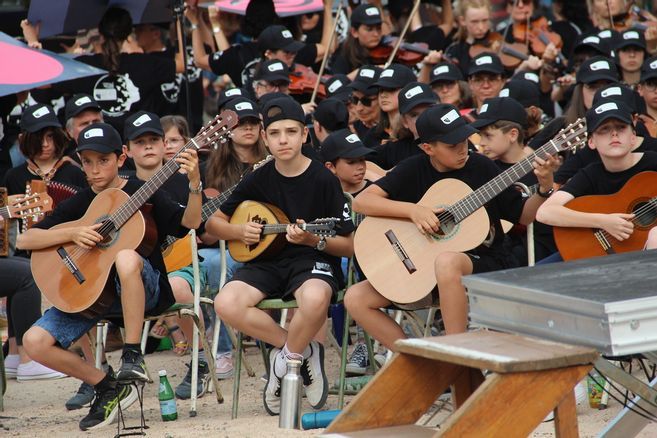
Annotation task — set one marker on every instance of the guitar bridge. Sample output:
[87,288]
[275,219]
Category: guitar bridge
[400,251]
[70,265]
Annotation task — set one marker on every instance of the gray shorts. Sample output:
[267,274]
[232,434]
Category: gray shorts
[67,328]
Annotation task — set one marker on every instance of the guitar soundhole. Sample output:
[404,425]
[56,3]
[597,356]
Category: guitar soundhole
[109,232]
[447,224]
[646,213]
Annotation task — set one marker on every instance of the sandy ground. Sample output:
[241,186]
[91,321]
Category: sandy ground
[37,408]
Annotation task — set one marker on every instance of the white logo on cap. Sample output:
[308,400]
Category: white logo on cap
[372,11]
[440,70]
[484,107]
[352,138]
[413,92]
[275,66]
[531,77]
[94,132]
[591,39]
[653,65]
[613,91]
[366,72]
[233,92]
[142,119]
[286,34]
[600,65]
[450,117]
[81,101]
[335,85]
[631,35]
[387,73]
[40,112]
[243,106]
[484,60]
[605,34]
[503,93]
[609,106]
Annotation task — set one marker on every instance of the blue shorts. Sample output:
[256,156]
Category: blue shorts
[67,328]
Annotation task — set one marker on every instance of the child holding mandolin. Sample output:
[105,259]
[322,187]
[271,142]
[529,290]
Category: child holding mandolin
[308,267]
[141,282]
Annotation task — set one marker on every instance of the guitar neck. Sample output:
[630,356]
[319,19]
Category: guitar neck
[282,228]
[5,213]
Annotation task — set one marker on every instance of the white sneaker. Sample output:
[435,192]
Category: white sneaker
[314,377]
[35,371]
[11,365]
[224,366]
[271,396]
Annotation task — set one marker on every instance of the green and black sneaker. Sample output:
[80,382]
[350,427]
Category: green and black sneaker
[106,405]
[133,368]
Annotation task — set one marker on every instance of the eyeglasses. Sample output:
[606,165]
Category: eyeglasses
[479,80]
[366,101]
[174,141]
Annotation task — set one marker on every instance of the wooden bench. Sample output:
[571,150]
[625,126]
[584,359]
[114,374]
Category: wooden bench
[530,377]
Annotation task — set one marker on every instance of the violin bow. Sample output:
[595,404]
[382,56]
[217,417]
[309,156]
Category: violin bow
[326,53]
[416,6]
[506,31]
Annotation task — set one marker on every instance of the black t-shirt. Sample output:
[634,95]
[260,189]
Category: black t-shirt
[459,51]
[166,213]
[389,154]
[314,194]
[594,179]
[430,34]
[69,174]
[411,178]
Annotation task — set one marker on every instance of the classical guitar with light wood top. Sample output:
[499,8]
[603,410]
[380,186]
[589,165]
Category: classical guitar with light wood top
[638,196]
[399,260]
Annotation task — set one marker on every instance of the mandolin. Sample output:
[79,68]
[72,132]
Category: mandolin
[399,260]
[275,224]
[75,279]
[638,196]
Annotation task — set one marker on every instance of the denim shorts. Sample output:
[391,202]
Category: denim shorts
[67,328]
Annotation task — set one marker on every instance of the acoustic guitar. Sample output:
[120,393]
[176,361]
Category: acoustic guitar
[399,260]
[638,196]
[74,279]
[275,224]
[178,252]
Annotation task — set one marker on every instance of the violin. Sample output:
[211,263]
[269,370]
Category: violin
[408,53]
[511,54]
[537,35]
[303,80]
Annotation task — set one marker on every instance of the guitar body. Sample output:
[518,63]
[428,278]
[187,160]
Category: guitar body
[178,254]
[270,244]
[577,243]
[95,294]
[384,267]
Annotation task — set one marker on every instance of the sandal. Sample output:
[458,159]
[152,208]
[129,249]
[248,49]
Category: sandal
[180,346]
[159,330]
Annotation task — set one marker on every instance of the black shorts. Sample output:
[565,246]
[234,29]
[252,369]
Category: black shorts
[281,278]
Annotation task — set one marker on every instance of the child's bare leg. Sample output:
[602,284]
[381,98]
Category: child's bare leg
[129,265]
[450,267]
[313,298]
[651,242]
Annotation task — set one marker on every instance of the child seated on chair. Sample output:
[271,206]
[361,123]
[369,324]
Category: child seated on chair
[443,134]
[141,282]
[308,267]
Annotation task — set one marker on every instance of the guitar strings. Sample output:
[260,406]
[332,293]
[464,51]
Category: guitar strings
[639,213]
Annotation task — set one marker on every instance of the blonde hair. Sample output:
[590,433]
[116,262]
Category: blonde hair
[462,7]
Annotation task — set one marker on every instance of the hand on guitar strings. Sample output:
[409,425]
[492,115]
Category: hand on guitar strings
[251,233]
[544,171]
[425,218]
[619,225]
[188,161]
[300,237]
[86,237]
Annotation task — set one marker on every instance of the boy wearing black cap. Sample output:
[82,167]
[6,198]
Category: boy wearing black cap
[344,155]
[444,135]
[648,86]
[140,281]
[612,134]
[329,116]
[307,269]
[270,77]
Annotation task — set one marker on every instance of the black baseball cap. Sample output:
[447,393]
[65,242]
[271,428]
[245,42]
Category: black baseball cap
[100,137]
[415,94]
[629,38]
[442,122]
[486,63]
[273,71]
[495,109]
[592,42]
[619,93]
[365,14]
[395,76]
[282,108]
[528,76]
[243,107]
[140,123]
[595,69]
[366,79]
[338,87]
[277,37]
[649,69]
[525,92]
[445,71]
[229,94]
[607,109]
[37,117]
[343,144]
[78,103]
[332,114]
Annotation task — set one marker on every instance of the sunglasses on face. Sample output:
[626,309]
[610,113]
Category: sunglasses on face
[366,101]
[520,2]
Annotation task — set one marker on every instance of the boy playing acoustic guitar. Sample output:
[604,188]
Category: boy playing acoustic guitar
[308,267]
[443,134]
[140,281]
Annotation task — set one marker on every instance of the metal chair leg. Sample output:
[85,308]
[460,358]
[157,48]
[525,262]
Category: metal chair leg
[236,381]
[343,360]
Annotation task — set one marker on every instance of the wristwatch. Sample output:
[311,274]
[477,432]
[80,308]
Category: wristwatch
[546,194]
[321,245]
[197,190]
[193,27]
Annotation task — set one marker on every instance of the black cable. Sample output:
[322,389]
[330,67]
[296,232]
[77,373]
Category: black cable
[648,415]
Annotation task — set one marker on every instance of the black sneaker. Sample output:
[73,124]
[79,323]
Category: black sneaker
[83,397]
[133,368]
[106,406]
[314,376]
[184,390]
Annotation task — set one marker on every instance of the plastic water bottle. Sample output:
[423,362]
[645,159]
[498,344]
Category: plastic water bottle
[317,420]
[291,385]
[167,399]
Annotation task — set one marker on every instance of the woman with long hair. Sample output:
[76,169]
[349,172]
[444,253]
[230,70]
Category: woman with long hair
[364,35]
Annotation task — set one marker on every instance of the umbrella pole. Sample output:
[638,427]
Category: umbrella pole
[179,13]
